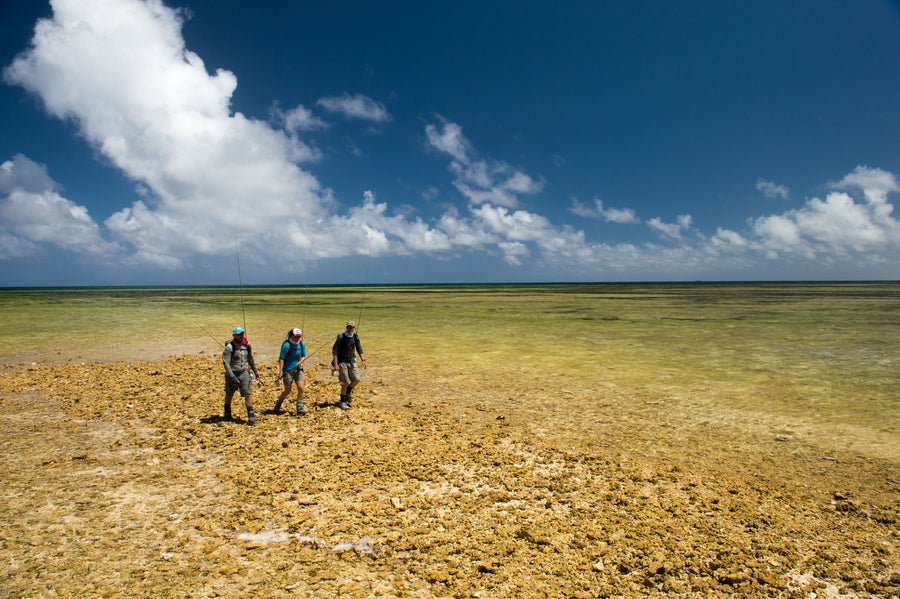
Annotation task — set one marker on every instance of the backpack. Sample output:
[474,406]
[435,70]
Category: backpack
[231,343]
[293,346]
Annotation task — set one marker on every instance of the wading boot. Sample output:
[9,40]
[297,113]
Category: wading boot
[301,411]
[344,405]
[277,408]
[251,418]
[227,413]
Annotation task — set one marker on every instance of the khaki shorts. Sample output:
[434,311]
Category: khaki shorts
[245,386]
[294,375]
[348,372]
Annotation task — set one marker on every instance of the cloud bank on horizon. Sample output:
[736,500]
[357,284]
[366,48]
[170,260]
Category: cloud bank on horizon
[120,73]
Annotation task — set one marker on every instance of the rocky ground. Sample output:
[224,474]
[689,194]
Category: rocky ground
[122,480]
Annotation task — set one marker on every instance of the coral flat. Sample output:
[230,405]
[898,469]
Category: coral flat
[123,480]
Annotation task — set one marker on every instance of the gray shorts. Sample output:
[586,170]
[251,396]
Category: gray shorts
[245,385]
[348,372]
[294,375]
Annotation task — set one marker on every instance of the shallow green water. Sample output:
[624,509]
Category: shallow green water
[765,363]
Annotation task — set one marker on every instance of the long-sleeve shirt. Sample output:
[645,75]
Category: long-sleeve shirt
[237,358]
[344,346]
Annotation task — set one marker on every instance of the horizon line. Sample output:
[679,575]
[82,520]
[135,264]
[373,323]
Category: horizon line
[456,284]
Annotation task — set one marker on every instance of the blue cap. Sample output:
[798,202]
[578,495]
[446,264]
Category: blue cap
[237,331]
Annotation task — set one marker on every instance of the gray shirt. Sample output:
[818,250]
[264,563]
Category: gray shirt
[237,357]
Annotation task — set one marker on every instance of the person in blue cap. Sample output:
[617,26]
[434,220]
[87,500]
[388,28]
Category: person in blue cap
[238,359]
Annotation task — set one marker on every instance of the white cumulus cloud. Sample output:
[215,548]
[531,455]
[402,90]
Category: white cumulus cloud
[672,230]
[771,190]
[838,225]
[621,216]
[357,106]
[479,180]
[120,73]
[300,119]
[33,212]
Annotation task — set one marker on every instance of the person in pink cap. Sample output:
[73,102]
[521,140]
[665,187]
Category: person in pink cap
[290,369]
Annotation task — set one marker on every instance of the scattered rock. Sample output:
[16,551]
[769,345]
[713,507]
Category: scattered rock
[110,493]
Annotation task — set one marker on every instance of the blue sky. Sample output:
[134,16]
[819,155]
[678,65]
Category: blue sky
[141,141]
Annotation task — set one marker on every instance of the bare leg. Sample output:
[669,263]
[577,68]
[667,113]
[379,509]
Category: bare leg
[281,398]
[300,389]
[286,392]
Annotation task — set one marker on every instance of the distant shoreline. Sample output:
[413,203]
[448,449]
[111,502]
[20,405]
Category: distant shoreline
[331,286]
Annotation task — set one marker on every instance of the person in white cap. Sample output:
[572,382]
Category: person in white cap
[343,360]
[290,369]
[238,359]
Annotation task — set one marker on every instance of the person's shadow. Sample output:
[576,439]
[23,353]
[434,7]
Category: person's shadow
[218,418]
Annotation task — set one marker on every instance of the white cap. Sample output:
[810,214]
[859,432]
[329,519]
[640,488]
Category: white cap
[296,333]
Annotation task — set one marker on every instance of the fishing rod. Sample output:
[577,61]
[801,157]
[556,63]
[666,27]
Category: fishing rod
[365,286]
[259,383]
[240,282]
[306,291]
[237,256]
[205,331]
[322,346]
[359,318]
[305,296]
[308,356]
[362,303]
